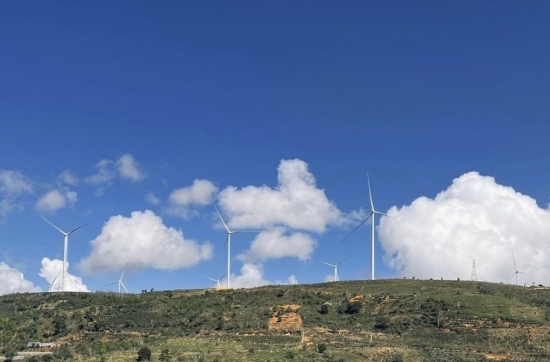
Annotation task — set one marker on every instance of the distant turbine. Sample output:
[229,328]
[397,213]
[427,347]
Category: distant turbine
[335,266]
[120,283]
[228,243]
[65,248]
[218,285]
[516,270]
[372,213]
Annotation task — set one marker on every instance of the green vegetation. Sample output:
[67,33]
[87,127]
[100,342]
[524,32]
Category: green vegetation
[386,320]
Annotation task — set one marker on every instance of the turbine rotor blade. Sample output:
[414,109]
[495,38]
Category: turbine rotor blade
[513,275]
[324,262]
[212,279]
[75,229]
[222,277]
[341,262]
[58,229]
[221,218]
[370,193]
[123,286]
[514,259]
[226,240]
[381,213]
[358,226]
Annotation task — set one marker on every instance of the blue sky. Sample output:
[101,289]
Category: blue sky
[153,96]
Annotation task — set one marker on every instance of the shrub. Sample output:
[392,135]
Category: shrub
[321,347]
[144,354]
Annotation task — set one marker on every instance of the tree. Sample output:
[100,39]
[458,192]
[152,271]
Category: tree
[144,354]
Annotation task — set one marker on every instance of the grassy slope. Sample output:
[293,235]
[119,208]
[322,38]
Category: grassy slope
[386,320]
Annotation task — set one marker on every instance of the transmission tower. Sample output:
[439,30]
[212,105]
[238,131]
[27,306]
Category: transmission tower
[474,274]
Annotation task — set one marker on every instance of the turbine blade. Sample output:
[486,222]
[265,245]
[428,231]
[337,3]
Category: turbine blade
[226,240]
[112,283]
[221,218]
[222,277]
[370,193]
[381,213]
[246,231]
[341,262]
[75,229]
[324,262]
[122,275]
[513,275]
[212,279]
[58,229]
[514,259]
[524,274]
[123,286]
[358,226]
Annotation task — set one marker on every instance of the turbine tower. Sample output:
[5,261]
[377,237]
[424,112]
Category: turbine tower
[228,243]
[335,266]
[218,285]
[373,212]
[65,248]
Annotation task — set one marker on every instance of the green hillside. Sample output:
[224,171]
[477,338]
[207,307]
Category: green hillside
[386,320]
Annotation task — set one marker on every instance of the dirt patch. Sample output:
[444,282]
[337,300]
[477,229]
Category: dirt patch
[290,322]
[496,357]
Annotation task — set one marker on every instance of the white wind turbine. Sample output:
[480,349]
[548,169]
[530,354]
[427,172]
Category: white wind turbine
[516,270]
[228,243]
[120,283]
[218,285]
[371,214]
[335,266]
[65,248]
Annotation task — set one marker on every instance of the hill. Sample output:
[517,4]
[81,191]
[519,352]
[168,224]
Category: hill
[384,320]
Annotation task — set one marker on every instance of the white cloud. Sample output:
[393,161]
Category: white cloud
[104,173]
[142,240]
[474,218]
[12,185]
[68,177]
[126,167]
[296,202]
[54,200]
[277,243]
[14,182]
[151,198]
[252,275]
[13,281]
[129,169]
[201,193]
[51,271]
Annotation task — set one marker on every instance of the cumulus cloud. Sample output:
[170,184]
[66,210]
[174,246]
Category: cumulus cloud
[13,281]
[201,193]
[140,241]
[126,167]
[68,177]
[278,243]
[473,218]
[51,271]
[252,275]
[54,200]
[296,202]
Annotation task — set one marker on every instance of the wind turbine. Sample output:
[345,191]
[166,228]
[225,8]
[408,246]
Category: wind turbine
[65,248]
[218,285]
[335,266]
[371,214]
[120,283]
[516,270]
[228,243]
